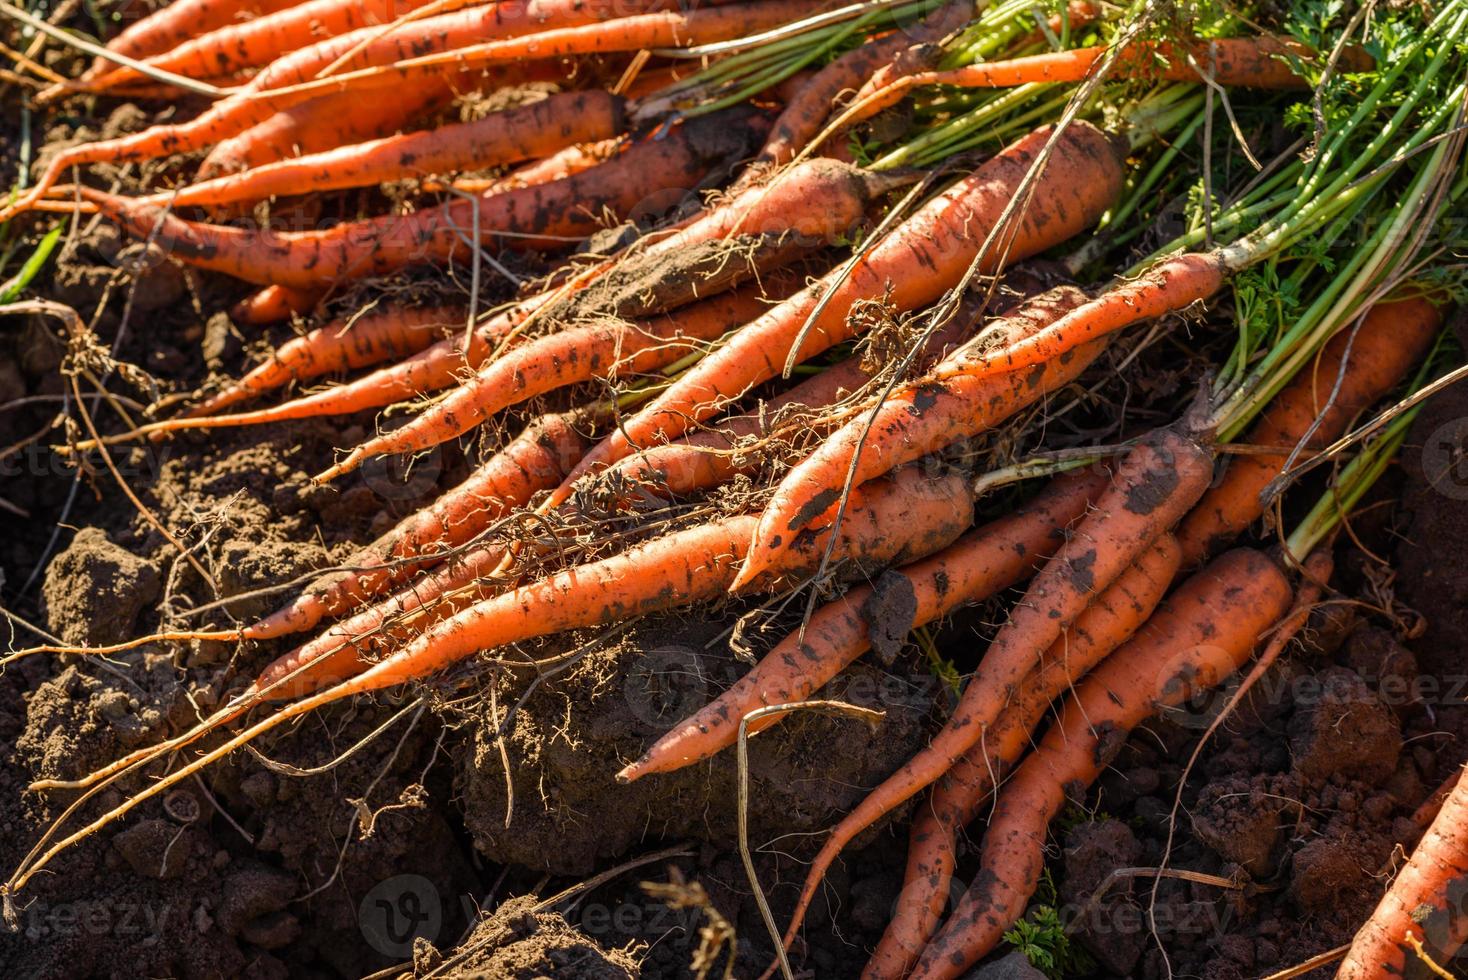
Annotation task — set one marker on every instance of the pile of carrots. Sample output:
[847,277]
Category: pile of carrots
[747,335]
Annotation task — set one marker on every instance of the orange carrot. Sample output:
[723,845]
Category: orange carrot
[1202,633]
[923,257]
[1155,484]
[1392,337]
[578,354]
[1422,913]
[274,304]
[547,216]
[509,136]
[557,166]
[533,461]
[919,418]
[1109,621]
[175,23]
[340,346]
[982,563]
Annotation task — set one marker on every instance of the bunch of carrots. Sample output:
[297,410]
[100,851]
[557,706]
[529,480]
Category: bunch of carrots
[849,171]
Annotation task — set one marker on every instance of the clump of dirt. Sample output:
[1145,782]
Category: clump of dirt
[523,942]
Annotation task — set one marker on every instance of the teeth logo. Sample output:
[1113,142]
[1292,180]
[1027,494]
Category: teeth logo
[1445,459]
[667,684]
[399,911]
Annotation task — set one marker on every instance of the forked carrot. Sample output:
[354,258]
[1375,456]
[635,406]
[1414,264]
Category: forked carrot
[1155,484]
[978,565]
[509,136]
[919,418]
[923,257]
[1423,908]
[1109,621]
[1202,633]
[1392,337]
[339,346]
[567,357]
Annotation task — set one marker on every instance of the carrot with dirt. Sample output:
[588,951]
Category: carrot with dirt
[339,346]
[978,565]
[509,136]
[1200,635]
[577,354]
[923,257]
[1110,620]
[274,304]
[684,567]
[1419,921]
[543,217]
[919,418]
[1354,370]
[1154,485]
[176,23]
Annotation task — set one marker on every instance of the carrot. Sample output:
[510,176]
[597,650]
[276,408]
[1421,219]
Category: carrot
[803,115]
[1392,337]
[600,350]
[1155,484]
[569,27]
[982,563]
[923,257]
[534,460]
[522,133]
[557,166]
[1108,621]
[919,418]
[546,216]
[236,48]
[274,304]
[339,346]
[175,23]
[1244,62]
[687,566]
[1422,912]
[1201,634]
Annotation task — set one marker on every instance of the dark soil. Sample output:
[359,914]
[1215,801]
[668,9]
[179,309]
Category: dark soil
[310,860]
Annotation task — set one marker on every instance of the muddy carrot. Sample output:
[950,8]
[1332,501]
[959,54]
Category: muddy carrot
[175,23]
[1199,636]
[924,256]
[274,304]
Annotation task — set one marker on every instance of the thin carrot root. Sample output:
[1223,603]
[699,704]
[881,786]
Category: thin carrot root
[1109,621]
[1201,634]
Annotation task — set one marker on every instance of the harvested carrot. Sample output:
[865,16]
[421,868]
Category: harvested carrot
[927,254]
[237,48]
[1423,909]
[982,563]
[547,216]
[534,460]
[512,135]
[274,304]
[174,24]
[919,418]
[557,166]
[340,346]
[1200,635]
[559,359]
[1392,337]
[1155,484]
[1109,621]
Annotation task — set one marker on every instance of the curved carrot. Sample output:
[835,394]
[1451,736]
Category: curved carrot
[534,460]
[978,565]
[1155,484]
[274,304]
[339,346]
[923,257]
[1392,337]
[175,23]
[1423,909]
[509,136]
[1109,621]
[1200,635]
[546,216]
[560,359]
[919,418]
